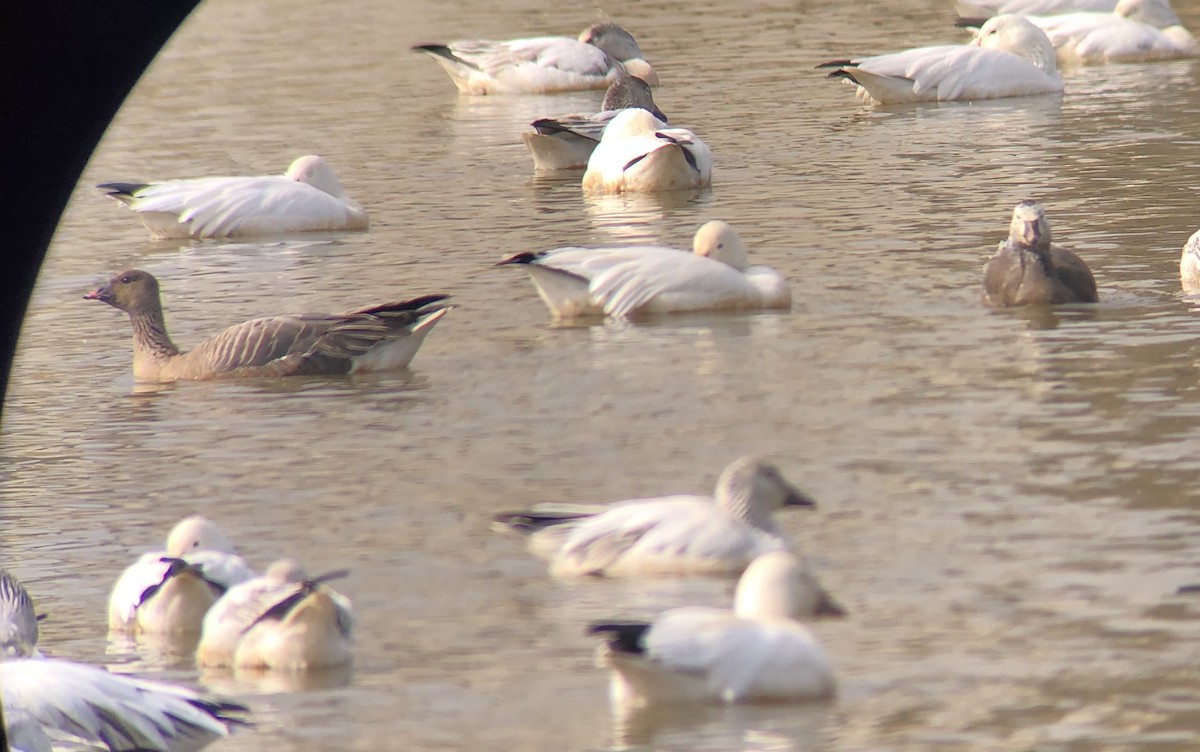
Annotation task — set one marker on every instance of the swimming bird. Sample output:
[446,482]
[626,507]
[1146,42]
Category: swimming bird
[306,198]
[57,704]
[169,591]
[622,282]
[1028,269]
[567,141]
[1189,264]
[638,152]
[1136,31]
[1010,57]
[542,65]
[379,338]
[281,620]
[759,651]
[668,535]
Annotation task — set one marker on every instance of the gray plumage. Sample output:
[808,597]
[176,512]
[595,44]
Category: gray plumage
[378,338]
[1028,269]
[18,623]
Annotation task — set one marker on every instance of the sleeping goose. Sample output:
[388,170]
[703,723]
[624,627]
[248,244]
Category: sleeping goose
[640,153]
[622,282]
[1010,57]
[1189,265]
[542,65]
[567,141]
[281,620]
[306,198]
[668,535]
[759,651]
[1136,31]
[56,704]
[169,591]
[1028,269]
[378,338]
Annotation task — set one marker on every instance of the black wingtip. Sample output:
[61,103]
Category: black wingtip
[1187,589]
[433,49]
[969,23]
[528,257]
[836,64]
[121,189]
[531,522]
[843,74]
[623,637]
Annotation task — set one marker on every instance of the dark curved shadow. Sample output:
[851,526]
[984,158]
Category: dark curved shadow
[65,69]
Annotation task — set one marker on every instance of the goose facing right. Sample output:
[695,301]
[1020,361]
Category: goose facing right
[664,536]
[542,65]
[382,337]
[759,651]
[1028,269]
[1009,57]
[624,282]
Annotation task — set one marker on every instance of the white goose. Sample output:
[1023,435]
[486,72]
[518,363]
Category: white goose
[1010,57]
[1136,31]
[542,65]
[638,152]
[168,592]
[989,8]
[281,620]
[628,281]
[668,535]
[306,198]
[1189,265]
[55,704]
[566,142]
[759,651]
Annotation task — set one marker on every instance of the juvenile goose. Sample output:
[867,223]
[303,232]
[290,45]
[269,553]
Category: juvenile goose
[58,704]
[624,282]
[667,535]
[1189,264]
[1010,57]
[566,142]
[282,620]
[1029,269]
[757,651]
[379,338]
[639,153]
[306,198]
[168,592]
[542,65]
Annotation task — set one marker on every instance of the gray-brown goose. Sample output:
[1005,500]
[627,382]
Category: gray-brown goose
[378,338]
[1028,269]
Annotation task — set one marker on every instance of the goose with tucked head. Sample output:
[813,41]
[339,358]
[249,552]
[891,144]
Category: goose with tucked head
[640,153]
[759,651]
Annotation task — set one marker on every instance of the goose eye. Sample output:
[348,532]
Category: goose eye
[126,279]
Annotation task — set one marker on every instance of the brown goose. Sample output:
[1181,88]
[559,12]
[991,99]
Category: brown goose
[1029,269]
[379,338]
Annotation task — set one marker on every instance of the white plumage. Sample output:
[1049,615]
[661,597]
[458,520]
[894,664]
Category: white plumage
[759,651]
[989,8]
[306,198]
[1009,57]
[542,65]
[1136,31]
[668,535]
[627,281]
[640,153]
[1189,265]
[169,591]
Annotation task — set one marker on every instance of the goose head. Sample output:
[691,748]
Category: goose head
[132,291]
[620,45]
[778,585]
[750,489]
[1029,228]
[1156,13]
[630,91]
[1019,36]
[197,533]
[720,242]
[315,171]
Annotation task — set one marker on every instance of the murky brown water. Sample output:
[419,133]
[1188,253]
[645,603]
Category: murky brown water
[1007,499]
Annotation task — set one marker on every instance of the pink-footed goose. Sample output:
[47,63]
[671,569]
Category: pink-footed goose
[378,338]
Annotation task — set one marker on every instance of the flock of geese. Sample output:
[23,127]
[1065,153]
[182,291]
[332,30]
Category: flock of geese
[286,620]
